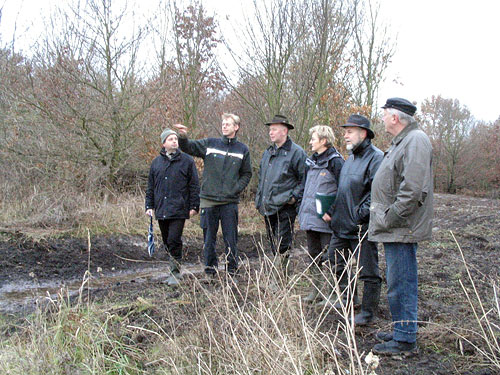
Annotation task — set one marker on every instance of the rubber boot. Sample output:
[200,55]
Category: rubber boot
[285,266]
[330,293]
[369,305]
[278,272]
[281,266]
[316,283]
[345,299]
[175,273]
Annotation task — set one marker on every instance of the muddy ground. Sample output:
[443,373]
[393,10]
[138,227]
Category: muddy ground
[31,269]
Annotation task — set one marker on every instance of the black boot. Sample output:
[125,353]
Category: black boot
[347,291]
[371,297]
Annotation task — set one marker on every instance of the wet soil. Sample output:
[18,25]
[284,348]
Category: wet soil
[119,267]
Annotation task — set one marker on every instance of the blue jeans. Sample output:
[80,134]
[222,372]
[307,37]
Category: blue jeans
[402,288]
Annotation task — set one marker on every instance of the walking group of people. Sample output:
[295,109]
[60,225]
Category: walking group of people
[377,198]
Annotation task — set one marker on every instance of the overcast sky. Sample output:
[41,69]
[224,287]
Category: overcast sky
[446,47]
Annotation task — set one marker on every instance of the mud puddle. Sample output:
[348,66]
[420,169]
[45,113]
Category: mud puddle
[25,295]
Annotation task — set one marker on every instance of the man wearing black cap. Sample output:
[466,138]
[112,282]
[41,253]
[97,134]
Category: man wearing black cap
[401,216]
[349,216]
[282,170]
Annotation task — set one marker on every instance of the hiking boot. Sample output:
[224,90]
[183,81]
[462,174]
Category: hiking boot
[394,347]
[384,336]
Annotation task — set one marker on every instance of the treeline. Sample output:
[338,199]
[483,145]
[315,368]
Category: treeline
[82,110]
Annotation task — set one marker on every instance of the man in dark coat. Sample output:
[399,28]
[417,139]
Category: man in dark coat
[227,171]
[282,170]
[349,216]
[173,196]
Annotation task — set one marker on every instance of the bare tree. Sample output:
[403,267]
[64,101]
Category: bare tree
[195,41]
[371,55]
[292,51]
[86,85]
[449,125]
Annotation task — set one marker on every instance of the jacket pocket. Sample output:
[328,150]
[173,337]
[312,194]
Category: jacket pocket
[377,219]
[393,220]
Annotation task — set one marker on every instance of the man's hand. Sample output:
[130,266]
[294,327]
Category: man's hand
[192,213]
[149,212]
[327,218]
[181,129]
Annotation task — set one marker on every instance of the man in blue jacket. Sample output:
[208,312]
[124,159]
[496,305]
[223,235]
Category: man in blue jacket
[350,214]
[173,196]
[226,173]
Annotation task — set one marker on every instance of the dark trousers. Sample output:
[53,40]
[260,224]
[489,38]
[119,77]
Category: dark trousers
[227,216]
[171,233]
[340,249]
[279,228]
[317,243]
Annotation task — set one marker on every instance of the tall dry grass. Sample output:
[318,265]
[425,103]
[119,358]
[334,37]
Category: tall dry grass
[485,338]
[254,324]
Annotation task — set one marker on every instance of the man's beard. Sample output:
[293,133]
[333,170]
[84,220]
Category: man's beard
[349,146]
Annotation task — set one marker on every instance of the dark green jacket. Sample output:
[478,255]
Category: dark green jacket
[227,169]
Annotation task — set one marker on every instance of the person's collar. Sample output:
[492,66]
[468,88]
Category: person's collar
[227,140]
[403,133]
[169,155]
[286,146]
[359,149]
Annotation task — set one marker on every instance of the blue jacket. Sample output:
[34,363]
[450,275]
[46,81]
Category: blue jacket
[227,169]
[173,187]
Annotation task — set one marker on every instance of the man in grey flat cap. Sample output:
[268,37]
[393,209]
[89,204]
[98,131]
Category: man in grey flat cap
[401,216]
[173,196]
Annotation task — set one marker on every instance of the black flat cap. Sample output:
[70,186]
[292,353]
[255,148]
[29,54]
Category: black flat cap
[279,119]
[360,122]
[401,104]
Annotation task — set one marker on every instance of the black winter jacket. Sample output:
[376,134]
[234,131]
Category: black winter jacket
[352,205]
[227,169]
[173,188]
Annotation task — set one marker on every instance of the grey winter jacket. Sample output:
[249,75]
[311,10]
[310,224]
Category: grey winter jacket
[280,177]
[322,174]
[402,191]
